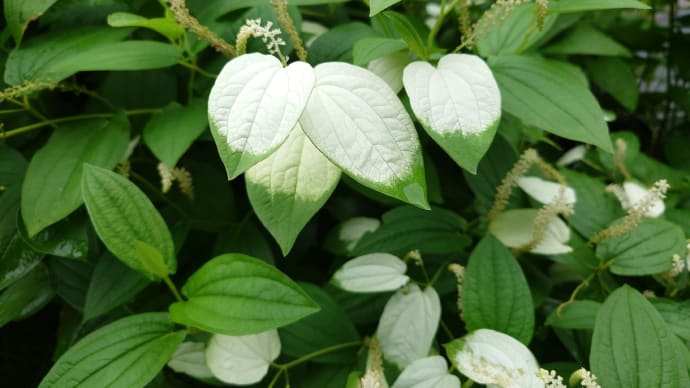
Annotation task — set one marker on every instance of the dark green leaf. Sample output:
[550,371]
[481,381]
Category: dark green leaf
[550,95]
[595,209]
[516,33]
[587,40]
[676,314]
[112,284]
[127,353]
[26,296]
[67,238]
[234,294]
[172,131]
[51,190]
[55,57]
[647,250]
[121,215]
[495,292]
[407,31]
[19,13]
[329,327]
[71,279]
[406,228]
[16,258]
[632,347]
[580,314]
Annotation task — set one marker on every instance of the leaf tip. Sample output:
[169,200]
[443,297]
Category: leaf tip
[416,195]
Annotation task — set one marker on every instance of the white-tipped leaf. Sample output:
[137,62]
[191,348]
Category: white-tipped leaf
[495,359]
[375,272]
[290,186]
[357,121]
[242,360]
[515,228]
[545,191]
[408,324]
[429,372]
[352,230]
[190,358]
[253,105]
[458,103]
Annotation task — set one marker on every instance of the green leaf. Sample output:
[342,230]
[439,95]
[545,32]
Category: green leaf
[358,123]
[337,43]
[19,13]
[580,314]
[676,315]
[51,189]
[566,6]
[615,77]
[12,168]
[151,259]
[328,327]
[390,68]
[551,96]
[26,296]
[235,294]
[647,250]
[405,228]
[164,26]
[112,284]
[458,103]
[67,238]
[495,293]
[242,360]
[408,324]
[376,6]
[290,186]
[375,272]
[594,209]
[121,215]
[254,104]
[587,40]
[367,49]
[127,353]
[632,346]
[190,358]
[407,31]
[71,280]
[515,34]
[490,172]
[170,132]
[55,57]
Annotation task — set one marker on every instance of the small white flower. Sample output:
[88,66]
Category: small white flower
[550,378]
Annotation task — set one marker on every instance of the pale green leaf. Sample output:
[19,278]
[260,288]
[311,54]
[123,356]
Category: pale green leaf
[357,122]
[19,13]
[408,324]
[290,186]
[242,360]
[164,26]
[254,104]
[390,68]
[376,6]
[190,358]
[566,6]
[375,272]
[587,40]
[367,49]
[458,103]
[516,33]
[429,372]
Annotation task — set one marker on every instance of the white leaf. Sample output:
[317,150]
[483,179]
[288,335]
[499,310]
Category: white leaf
[242,360]
[253,105]
[493,358]
[375,272]
[459,96]
[390,68]
[573,155]
[515,228]
[352,230]
[190,358]
[408,324]
[290,186]
[429,372]
[636,193]
[545,191]
[458,103]
[357,121]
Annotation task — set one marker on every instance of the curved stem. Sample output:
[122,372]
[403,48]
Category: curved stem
[445,10]
[172,288]
[318,353]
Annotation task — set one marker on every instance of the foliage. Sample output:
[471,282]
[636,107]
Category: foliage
[330,193]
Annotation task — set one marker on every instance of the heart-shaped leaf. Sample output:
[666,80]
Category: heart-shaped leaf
[458,103]
[356,120]
[242,360]
[253,105]
[375,272]
[290,186]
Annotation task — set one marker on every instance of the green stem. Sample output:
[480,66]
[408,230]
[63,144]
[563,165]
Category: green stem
[30,127]
[193,66]
[172,288]
[467,384]
[445,10]
[275,378]
[318,353]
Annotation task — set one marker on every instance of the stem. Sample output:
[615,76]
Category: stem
[274,380]
[172,288]
[30,127]
[529,33]
[318,353]
[193,66]
[445,10]
[582,285]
